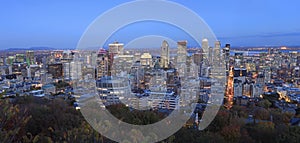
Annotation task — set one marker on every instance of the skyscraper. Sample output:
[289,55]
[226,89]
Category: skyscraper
[182,58]
[205,44]
[116,48]
[226,53]
[182,52]
[165,54]
[217,50]
[102,63]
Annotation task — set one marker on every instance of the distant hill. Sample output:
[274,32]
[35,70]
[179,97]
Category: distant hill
[31,48]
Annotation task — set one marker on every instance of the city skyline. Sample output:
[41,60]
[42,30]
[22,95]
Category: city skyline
[190,89]
[253,23]
[149,71]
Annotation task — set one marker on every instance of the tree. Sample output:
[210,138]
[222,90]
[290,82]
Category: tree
[231,133]
[261,113]
[264,103]
[262,132]
[12,121]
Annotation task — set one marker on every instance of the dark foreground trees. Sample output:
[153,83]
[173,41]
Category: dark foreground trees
[27,119]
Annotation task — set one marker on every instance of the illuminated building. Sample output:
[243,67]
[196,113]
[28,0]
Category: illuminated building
[226,53]
[229,90]
[146,59]
[218,74]
[57,54]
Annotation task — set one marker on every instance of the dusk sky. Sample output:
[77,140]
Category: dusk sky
[60,23]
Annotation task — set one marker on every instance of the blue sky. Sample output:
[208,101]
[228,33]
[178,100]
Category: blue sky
[60,23]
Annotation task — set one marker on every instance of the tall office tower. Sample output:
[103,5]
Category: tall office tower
[217,51]
[226,53]
[181,63]
[20,58]
[217,61]
[102,63]
[205,45]
[30,58]
[165,54]
[181,52]
[116,48]
[93,60]
[217,73]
